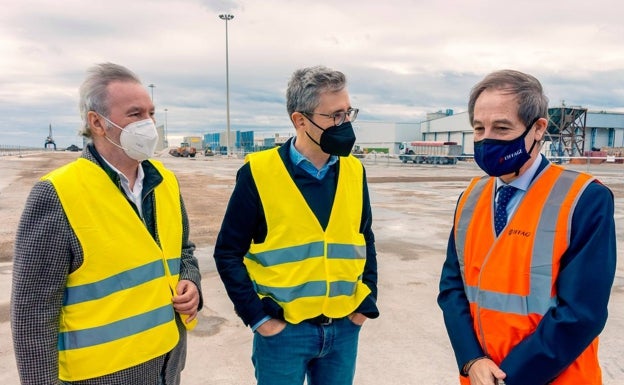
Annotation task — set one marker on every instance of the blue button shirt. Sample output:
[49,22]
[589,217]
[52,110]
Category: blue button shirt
[521,183]
[304,163]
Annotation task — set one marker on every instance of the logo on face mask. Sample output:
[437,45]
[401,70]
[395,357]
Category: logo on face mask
[501,157]
[138,139]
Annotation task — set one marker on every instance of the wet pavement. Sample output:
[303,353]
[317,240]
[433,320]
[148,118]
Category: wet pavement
[413,210]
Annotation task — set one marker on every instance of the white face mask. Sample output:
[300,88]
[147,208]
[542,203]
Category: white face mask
[138,139]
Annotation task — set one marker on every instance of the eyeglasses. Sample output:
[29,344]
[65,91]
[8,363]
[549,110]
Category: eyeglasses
[340,116]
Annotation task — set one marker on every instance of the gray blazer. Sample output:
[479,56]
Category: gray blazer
[46,251]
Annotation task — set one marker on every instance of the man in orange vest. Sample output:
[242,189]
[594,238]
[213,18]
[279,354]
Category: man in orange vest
[532,254]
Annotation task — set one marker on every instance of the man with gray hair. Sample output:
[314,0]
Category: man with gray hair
[296,252]
[105,283]
[531,257]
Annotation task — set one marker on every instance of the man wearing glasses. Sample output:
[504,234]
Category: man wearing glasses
[296,252]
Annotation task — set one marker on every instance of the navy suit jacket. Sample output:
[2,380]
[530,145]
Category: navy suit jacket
[583,287]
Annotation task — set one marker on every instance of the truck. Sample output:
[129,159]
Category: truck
[429,152]
[184,151]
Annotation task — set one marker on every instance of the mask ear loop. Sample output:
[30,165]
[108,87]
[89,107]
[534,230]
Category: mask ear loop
[528,128]
[317,126]
[115,125]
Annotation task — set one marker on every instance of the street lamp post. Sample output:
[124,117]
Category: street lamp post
[227,17]
[166,140]
[152,87]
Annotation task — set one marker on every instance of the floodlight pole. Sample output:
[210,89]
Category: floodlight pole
[227,17]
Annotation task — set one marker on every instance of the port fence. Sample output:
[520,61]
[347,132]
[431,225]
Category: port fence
[11,150]
[586,163]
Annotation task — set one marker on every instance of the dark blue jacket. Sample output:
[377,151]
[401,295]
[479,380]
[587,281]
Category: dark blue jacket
[583,287]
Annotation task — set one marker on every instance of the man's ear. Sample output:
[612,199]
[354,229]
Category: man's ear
[298,119]
[96,123]
[540,128]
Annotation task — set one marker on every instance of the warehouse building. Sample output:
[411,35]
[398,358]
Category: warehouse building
[572,131]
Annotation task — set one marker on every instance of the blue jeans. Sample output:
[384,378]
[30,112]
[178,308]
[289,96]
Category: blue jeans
[325,354]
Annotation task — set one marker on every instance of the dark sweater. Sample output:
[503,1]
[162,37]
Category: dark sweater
[245,222]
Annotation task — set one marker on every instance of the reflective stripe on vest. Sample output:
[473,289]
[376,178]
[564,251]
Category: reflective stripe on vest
[510,279]
[539,299]
[130,278]
[328,264]
[301,253]
[121,294]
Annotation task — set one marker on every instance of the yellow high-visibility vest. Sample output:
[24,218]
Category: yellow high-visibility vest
[117,310]
[306,270]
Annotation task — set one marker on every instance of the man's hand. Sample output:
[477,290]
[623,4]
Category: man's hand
[187,300]
[271,327]
[357,318]
[485,372]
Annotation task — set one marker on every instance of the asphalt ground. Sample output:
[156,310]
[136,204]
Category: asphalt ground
[412,208]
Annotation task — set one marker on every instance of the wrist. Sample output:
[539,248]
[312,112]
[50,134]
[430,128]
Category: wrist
[466,368]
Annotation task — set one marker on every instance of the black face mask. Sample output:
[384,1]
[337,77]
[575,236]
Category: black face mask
[335,140]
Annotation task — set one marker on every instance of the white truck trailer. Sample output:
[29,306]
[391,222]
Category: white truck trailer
[429,152]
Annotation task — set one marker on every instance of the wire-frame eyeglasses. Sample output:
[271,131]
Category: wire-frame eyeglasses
[340,116]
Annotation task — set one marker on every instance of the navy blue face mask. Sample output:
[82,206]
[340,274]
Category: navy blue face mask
[501,157]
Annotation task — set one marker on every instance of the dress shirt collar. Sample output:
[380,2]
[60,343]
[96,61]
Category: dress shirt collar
[299,160]
[523,181]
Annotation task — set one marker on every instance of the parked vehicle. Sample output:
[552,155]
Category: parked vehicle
[429,152]
[184,151]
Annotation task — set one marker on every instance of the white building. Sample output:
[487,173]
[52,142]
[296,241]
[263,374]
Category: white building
[602,129]
[452,128]
[384,136]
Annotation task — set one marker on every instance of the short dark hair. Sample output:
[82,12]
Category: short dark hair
[307,84]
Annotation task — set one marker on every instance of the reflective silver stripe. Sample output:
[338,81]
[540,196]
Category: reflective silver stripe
[509,303]
[116,330]
[541,263]
[345,251]
[118,282]
[464,220]
[308,289]
[539,299]
[339,288]
[288,254]
[288,294]
[310,250]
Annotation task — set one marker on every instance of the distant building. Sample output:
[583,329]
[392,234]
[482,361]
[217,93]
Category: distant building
[193,141]
[384,136]
[601,129]
[439,114]
[162,143]
[242,142]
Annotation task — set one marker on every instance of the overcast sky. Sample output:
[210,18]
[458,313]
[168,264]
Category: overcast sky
[402,58]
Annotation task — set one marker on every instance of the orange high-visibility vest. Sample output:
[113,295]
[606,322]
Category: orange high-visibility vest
[510,279]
